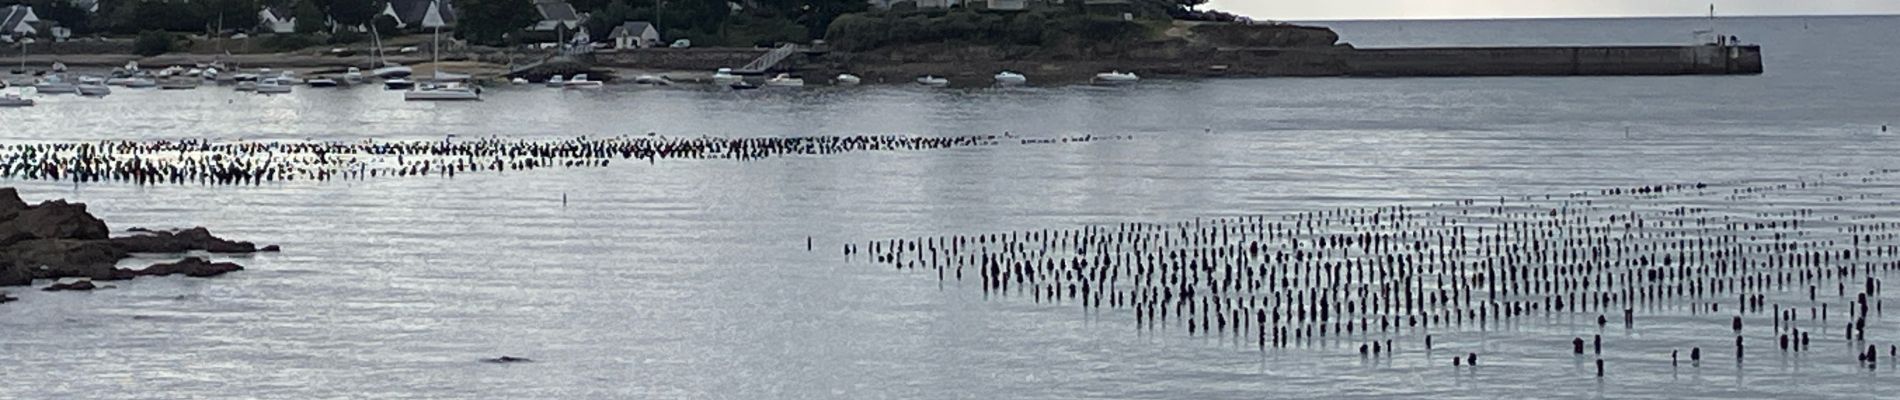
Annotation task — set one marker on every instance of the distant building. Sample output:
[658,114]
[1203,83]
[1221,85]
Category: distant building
[929,4]
[91,6]
[635,35]
[556,14]
[276,20]
[18,21]
[1009,5]
[421,13]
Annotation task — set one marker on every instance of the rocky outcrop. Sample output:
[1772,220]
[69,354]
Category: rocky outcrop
[191,266]
[1263,35]
[194,239]
[74,286]
[56,240]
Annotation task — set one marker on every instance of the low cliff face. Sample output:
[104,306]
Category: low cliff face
[1238,35]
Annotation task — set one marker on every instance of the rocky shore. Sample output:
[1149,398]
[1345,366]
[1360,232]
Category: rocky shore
[56,240]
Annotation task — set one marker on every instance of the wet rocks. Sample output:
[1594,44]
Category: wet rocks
[56,239]
[191,266]
[82,285]
[198,239]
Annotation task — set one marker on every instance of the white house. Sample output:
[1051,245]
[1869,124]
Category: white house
[1009,5]
[18,21]
[635,35]
[276,20]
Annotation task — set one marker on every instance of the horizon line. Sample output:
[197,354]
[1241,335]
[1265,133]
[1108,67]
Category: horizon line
[1576,17]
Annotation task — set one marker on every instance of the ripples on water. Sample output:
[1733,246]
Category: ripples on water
[690,279]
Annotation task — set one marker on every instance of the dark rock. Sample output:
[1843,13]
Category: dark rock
[181,241]
[506,360]
[191,266]
[64,258]
[49,220]
[12,274]
[80,286]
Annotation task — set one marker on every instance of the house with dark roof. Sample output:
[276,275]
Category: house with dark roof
[276,20]
[556,14]
[635,35]
[18,21]
[421,13]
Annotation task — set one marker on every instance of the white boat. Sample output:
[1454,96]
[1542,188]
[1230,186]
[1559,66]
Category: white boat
[353,77]
[785,80]
[246,86]
[933,81]
[320,82]
[59,67]
[1007,78]
[94,89]
[14,100]
[178,84]
[94,80]
[451,76]
[136,82]
[518,81]
[1116,78]
[398,84]
[849,80]
[55,85]
[244,77]
[392,72]
[725,77]
[279,85]
[650,80]
[556,81]
[443,92]
[581,82]
[209,74]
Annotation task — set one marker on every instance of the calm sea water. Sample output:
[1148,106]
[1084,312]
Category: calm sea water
[690,279]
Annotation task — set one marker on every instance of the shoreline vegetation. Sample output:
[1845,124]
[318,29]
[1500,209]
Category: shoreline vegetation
[1051,41]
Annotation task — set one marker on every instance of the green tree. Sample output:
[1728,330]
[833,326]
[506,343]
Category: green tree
[353,12]
[604,21]
[309,19]
[490,21]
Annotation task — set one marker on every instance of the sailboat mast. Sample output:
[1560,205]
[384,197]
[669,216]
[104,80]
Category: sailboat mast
[435,60]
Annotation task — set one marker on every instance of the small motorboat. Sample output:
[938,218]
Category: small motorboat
[94,89]
[353,77]
[785,80]
[933,81]
[138,83]
[1115,78]
[278,85]
[580,82]
[849,80]
[725,77]
[556,81]
[11,100]
[443,92]
[518,81]
[94,80]
[178,84]
[321,82]
[246,86]
[55,85]
[650,80]
[398,84]
[392,72]
[1008,78]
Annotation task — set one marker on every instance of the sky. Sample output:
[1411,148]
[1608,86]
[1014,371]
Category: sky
[1306,10]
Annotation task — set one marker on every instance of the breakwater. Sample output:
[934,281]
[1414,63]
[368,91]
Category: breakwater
[1556,61]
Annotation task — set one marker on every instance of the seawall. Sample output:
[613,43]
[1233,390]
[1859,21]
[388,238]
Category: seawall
[1555,61]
